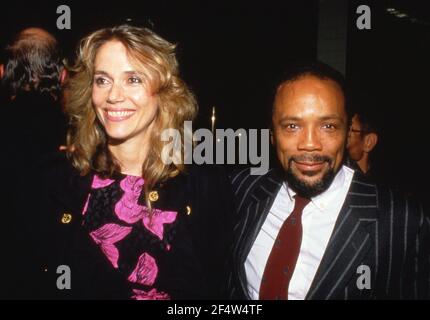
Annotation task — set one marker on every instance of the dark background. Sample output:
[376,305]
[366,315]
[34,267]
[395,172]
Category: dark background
[230,53]
[391,64]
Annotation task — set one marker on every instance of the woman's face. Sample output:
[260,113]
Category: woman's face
[124,105]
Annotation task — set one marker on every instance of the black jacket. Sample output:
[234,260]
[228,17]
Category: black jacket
[198,274]
[376,227]
[33,126]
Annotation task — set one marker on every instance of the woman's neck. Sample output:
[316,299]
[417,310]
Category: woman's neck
[131,154]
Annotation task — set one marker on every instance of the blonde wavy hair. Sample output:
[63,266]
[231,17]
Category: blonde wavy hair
[154,57]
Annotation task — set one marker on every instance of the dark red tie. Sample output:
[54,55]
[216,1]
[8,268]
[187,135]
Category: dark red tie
[283,257]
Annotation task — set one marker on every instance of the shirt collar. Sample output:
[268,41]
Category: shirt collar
[338,182]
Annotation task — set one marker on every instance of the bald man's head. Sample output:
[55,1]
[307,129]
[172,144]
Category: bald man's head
[38,35]
[33,63]
[37,38]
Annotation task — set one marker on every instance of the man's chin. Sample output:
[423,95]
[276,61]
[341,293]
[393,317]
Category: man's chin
[310,183]
[311,174]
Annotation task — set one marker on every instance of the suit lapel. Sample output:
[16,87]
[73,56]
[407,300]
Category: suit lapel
[261,198]
[353,238]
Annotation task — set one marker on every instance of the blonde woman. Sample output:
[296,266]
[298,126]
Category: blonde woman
[125,223]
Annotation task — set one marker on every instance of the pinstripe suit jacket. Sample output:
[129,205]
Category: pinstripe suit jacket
[376,227]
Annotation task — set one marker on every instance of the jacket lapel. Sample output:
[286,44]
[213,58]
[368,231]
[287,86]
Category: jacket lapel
[261,199]
[354,237]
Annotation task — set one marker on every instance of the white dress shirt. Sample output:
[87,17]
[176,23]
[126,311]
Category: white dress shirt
[318,220]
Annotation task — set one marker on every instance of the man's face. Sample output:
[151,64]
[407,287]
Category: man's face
[309,132]
[355,143]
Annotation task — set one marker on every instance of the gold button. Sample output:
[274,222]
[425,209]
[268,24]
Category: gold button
[188,210]
[153,196]
[66,218]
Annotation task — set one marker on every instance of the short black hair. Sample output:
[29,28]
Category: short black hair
[365,107]
[318,69]
[367,122]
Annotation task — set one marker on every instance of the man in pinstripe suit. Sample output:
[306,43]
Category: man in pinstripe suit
[358,240]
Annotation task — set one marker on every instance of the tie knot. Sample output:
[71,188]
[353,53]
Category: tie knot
[300,203]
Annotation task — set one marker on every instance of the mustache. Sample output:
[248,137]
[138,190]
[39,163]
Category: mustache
[310,158]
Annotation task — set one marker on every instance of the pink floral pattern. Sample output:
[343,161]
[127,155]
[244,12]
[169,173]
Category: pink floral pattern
[156,222]
[107,236]
[152,294]
[145,271]
[127,208]
[101,183]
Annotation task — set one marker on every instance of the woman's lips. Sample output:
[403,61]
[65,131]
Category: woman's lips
[119,114]
[309,166]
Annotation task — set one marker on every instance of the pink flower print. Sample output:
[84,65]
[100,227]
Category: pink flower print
[155,223]
[127,208]
[106,236]
[100,183]
[153,294]
[86,204]
[145,271]
[132,185]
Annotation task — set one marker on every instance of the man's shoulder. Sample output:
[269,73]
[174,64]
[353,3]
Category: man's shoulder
[243,181]
[243,176]
[393,203]
[361,184]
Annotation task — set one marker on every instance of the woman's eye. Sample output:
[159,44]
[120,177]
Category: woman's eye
[134,80]
[100,81]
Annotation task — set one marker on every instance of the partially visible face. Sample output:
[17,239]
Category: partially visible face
[123,104]
[309,132]
[355,143]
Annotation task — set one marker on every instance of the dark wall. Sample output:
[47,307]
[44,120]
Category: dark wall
[229,53]
[390,64]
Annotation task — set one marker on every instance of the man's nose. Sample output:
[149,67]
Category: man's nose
[310,140]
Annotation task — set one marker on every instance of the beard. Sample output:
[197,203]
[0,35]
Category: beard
[304,188]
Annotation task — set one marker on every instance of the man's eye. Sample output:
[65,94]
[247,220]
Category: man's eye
[290,126]
[134,80]
[329,126]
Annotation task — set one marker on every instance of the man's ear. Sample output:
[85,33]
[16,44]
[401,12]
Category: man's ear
[370,141]
[1,70]
[63,76]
